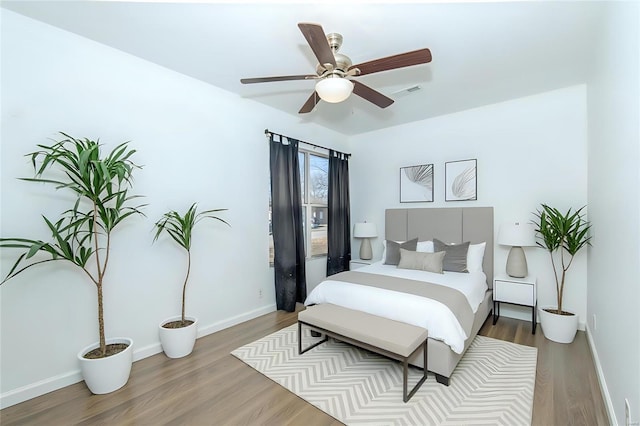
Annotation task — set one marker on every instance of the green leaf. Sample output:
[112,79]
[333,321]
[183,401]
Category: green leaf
[78,166]
[35,248]
[566,233]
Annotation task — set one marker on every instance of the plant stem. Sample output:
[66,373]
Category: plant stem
[103,343]
[95,240]
[555,275]
[560,294]
[564,272]
[184,286]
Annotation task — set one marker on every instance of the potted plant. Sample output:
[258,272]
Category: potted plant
[82,237]
[562,235]
[178,334]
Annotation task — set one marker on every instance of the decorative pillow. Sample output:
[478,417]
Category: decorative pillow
[475,257]
[422,261]
[393,250]
[455,259]
[384,249]
[425,246]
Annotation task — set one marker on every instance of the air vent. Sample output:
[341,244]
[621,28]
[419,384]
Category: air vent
[407,90]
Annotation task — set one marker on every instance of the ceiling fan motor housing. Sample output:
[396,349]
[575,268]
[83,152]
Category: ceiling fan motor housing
[343,62]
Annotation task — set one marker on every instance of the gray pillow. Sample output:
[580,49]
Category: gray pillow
[393,250]
[455,259]
[422,261]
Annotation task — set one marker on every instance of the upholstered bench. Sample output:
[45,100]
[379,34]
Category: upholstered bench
[393,339]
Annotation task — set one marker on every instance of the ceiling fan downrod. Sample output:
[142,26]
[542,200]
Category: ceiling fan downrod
[343,62]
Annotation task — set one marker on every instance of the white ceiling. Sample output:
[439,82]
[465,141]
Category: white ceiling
[482,52]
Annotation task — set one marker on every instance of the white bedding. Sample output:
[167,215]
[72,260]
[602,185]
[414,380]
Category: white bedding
[420,311]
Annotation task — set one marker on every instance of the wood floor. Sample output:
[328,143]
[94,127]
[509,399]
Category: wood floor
[211,387]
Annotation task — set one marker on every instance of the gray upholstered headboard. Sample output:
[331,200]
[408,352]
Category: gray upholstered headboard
[449,224]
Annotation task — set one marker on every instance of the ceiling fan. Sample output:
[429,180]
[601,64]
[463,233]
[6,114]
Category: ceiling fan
[333,69]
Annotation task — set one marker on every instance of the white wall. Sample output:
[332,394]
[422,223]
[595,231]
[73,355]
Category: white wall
[196,142]
[614,207]
[529,150]
[53,80]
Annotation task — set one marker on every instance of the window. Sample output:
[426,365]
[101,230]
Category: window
[316,204]
[314,183]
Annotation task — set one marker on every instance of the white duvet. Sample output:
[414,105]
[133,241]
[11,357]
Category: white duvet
[420,311]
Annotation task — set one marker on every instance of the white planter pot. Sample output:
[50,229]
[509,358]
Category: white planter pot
[559,328]
[178,342]
[104,375]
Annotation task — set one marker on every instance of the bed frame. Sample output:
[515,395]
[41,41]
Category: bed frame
[451,225]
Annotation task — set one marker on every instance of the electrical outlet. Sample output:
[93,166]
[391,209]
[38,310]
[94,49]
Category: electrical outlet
[260,294]
[627,412]
[595,324]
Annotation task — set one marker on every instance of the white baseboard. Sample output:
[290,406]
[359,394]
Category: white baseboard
[229,322]
[603,383]
[524,313]
[33,390]
[16,396]
[147,351]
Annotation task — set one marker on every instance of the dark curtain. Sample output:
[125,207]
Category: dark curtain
[339,227]
[286,223]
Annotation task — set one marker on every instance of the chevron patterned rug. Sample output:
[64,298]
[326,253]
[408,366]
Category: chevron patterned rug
[492,385]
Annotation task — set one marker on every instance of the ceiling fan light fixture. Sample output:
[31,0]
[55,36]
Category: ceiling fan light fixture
[333,68]
[334,89]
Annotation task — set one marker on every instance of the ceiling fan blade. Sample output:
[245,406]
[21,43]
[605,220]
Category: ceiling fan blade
[421,56]
[318,41]
[310,104]
[371,95]
[279,78]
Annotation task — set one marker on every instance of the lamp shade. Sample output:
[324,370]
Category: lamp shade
[365,230]
[334,89]
[517,235]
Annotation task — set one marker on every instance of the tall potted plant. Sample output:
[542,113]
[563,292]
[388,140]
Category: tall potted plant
[82,236]
[562,235]
[178,334]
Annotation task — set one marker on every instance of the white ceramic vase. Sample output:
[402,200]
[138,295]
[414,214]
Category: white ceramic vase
[178,342]
[105,375]
[558,328]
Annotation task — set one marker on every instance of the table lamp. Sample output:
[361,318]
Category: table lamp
[365,230]
[516,235]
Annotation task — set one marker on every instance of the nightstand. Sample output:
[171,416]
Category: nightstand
[359,263]
[516,291]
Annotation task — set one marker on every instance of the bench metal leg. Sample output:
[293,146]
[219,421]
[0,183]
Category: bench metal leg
[406,395]
[405,375]
[300,351]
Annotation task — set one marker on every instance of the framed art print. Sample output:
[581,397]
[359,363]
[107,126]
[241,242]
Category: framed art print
[416,184]
[461,180]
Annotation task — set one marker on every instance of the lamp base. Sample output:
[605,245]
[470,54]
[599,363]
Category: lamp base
[365,249]
[517,263]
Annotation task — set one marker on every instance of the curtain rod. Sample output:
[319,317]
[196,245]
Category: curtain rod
[267,132]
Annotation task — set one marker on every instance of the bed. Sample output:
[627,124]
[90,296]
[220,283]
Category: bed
[452,324]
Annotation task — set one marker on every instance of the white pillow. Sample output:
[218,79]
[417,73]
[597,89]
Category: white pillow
[384,250]
[475,256]
[425,247]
